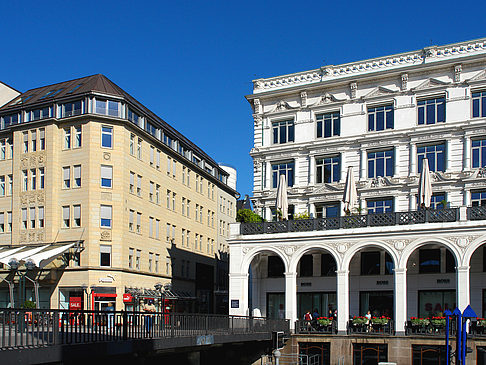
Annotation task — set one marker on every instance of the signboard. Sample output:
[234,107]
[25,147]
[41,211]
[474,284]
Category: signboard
[75,303]
[235,303]
[127,297]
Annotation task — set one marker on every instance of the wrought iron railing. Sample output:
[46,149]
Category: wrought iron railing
[21,327]
[429,329]
[476,213]
[315,327]
[371,329]
[359,221]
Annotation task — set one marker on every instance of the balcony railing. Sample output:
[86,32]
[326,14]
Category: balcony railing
[371,329]
[359,221]
[476,213]
[315,327]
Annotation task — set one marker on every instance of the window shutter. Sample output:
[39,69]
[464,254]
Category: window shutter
[66,171]
[107,172]
[41,212]
[77,211]
[77,172]
[2,218]
[105,211]
[65,212]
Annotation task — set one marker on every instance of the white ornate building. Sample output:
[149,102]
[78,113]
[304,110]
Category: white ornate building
[381,116]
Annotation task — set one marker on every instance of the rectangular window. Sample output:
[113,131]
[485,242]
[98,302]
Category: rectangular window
[380,163]
[197,212]
[132,116]
[105,255]
[197,183]
[174,168]
[157,160]
[33,140]
[41,217]
[66,175]
[167,236]
[132,144]
[479,104]
[131,217]
[9,221]
[369,353]
[151,191]
[24,218]
[431,111]
[429,261]
[188,208]
[283,168]
[157,194]
[478,198]
[275,267]
[328,169]
[435,154]
[152,155]
[106,137]
[168,199]
[76,215]
[183,237]
[42,139]
[283,132]
[139,222]
[130,258]
[157,228]
[26,142]
[105,216]
[132,182]
[429,354]
[137,259]
[478,147]
[41,179]
[2,185]
[306,266]
[183,174]
[77,176]
[2,222]
[379,206]
[370,263]
[328,210]
[328,125]
[33,179]
[106,176]
[139,185]
[174,201]
[100,106]
[139,149]
[77,137]
[67,138]
[32,217]
[151,258]
[437,201]
[25,180]
[168,165]
[70,109]
[151,227]
[380,118]
[66,216]
[3,149]
[157,259]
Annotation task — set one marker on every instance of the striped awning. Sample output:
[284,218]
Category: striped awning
[37,256]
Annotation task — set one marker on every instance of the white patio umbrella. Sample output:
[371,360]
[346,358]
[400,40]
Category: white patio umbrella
[350,198]
[22,255]
[282,203]
[425,185]
[41,259]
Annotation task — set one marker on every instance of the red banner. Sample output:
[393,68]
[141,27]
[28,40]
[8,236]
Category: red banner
[127,297]
[75,303]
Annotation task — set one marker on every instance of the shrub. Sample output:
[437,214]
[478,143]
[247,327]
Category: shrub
[248,216]
[438,321]
[324,321]
[304,215]
[358,321]
[419,321]
[380,320]
[28,304]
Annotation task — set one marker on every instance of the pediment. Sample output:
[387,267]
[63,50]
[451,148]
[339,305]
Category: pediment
[327,188]
[430,83]
[480,76]
[379,91]
[327,98]
[283,105]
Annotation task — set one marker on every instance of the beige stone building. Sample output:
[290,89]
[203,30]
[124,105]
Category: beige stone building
[134,203]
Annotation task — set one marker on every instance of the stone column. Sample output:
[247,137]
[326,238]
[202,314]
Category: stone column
[400,300]
[342,299]
[462,287]
[413,158]
[238,284]
[447,163]
[291,297]
[467,154]
[312,170]
[268,176]
[362,167]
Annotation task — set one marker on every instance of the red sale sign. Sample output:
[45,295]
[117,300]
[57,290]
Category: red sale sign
[75,303]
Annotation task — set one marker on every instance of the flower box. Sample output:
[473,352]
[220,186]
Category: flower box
[324,321]
[419,322]
[380,320]
[438,321]
[359,321]
[481,322]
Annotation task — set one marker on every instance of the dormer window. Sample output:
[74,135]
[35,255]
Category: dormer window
[70,109]
[37,114]
[107,107]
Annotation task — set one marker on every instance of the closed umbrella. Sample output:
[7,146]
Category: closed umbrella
[425,185]
[350,198]
[282,203]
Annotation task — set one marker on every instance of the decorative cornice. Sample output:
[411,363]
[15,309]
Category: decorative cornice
[426,55]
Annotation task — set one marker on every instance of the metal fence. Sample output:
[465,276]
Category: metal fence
[26,328]
[358,221]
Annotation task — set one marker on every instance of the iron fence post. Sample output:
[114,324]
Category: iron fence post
[125,324]
[55,328]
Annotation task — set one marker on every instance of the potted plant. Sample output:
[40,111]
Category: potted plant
[438,321]
[481,322]
[359,321]
[419,322]
[380,320]
[324,321]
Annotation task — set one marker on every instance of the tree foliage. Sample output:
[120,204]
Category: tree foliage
[247,216]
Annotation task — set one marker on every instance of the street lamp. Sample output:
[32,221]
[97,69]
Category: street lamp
[29,266]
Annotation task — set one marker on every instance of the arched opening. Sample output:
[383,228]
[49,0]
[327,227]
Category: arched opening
[371,283]
[316,283]
[266,289]
[477,281]
[431,281]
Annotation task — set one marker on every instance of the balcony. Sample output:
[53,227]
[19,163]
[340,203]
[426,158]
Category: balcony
[360,221]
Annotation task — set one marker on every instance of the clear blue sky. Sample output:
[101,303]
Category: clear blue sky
[192,62]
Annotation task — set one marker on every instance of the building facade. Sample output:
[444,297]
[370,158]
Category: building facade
[382,117]
[84,162]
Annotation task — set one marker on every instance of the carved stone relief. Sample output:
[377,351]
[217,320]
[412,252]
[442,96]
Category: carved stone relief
[303,99]
[257,106]
[107,156]
[404,84]
[105,235]
[457,73]
[353,88]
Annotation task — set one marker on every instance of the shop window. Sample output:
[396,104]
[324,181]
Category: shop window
[276,305]
[323,302]
[435,302]
[368,353]
[275,267]
[389,265]
[328,265]
[370,263]
[450,262]
[306,265]
[318,353]
[429,261]
[429,355]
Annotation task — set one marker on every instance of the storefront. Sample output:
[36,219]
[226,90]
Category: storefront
[102,296]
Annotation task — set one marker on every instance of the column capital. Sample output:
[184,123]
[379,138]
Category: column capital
[462,268]
[238,276]
[290,274]
[400,270]
[342,272]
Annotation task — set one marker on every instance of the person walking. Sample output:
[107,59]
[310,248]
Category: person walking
[308,320]
[149,308]
[109,309]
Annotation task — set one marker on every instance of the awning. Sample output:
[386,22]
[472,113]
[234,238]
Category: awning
[39,256]
[21,255]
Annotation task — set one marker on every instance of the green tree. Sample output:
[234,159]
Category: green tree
[247,216]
